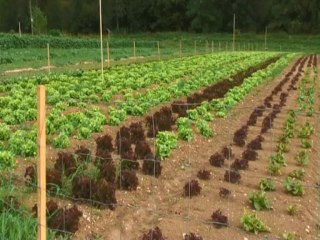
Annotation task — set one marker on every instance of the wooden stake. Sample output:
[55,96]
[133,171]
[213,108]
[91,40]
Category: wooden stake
[41,168]
[219,46]
[19,29]
[48,53]
[234,32]
[101,41]
[226,46]
[207,46]
[31,18]
[159,56]
[212,46]
[265,39]
[195,47]
[180,48]
[108,55]
[134,49]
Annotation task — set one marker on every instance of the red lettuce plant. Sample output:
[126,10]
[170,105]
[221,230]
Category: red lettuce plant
[65,163]
[219,220]
[192,236]
[152,165]
[216,160]
[204,174]
[192,188]
[232,176]
[128,180]
[153,234]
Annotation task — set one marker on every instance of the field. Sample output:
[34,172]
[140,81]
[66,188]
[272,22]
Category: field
[204,145]
[30,52]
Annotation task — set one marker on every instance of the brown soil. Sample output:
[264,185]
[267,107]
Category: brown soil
[160,201]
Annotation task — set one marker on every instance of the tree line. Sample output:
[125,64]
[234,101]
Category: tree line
[82,16]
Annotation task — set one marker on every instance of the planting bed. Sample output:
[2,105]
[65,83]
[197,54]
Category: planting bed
[173,157]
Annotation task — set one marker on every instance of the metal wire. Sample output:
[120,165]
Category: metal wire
[157,212]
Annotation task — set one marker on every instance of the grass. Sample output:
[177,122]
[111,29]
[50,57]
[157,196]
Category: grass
[18,225]
[16,221]
[146,46]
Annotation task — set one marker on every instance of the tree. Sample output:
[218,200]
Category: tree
[39,21]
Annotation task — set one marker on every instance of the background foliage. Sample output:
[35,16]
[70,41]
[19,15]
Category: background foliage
[81,16]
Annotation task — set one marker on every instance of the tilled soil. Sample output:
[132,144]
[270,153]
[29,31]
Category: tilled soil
[160,201]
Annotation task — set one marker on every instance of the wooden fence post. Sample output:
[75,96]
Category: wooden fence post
[134,49]
[108,54]
[48,53]
[159,56]
[212,46]
[41,167]
[180,48]
[234,33]
[101,40]
[19,29]
[207,46]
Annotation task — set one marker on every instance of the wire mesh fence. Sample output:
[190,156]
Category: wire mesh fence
[123,187]
[119,52]
[127,191]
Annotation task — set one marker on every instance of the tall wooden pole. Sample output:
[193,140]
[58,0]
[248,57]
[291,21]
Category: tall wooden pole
[159,56]
[19,29]
[212,46]
[108,54]
[134,49]
[234,32]
[265,39]
[207,46]
[31,18]
[101,41]
[41,168]
[48,53]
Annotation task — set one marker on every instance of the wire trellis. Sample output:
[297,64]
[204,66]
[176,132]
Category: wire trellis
[189,218]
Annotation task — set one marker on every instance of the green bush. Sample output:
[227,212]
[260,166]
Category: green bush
[165,143]
[4,132]
[84,133]
[302,158]
[251,223]
[259,200]
[184,129]
[62,141]
[267,185]
[204,128]
[6,160]
[23,143]
[293,186]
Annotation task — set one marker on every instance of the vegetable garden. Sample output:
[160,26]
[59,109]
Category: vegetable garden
[213,146]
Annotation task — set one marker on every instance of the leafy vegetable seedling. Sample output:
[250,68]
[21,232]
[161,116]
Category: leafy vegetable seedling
[259,201]
[251,223]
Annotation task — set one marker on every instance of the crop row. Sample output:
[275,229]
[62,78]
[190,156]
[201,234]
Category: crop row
[9,41]
[232,97]
[19,106]
[258,199]
[18,99]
